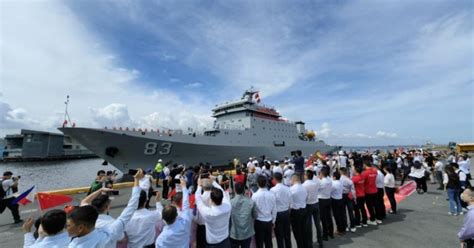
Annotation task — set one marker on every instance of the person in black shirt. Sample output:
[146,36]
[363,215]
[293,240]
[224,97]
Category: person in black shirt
[298,160]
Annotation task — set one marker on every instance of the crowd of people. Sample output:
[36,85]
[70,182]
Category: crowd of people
[202,207]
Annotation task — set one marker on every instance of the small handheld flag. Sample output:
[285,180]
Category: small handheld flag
[46,200]
[25,197]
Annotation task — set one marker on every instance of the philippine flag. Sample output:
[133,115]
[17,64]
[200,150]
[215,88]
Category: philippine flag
[26,197]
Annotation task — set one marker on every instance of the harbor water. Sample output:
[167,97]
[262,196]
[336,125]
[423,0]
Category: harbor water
[50,175]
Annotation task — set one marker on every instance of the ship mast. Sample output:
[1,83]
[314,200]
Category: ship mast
[67,118]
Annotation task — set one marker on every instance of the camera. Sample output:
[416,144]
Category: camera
[113,192]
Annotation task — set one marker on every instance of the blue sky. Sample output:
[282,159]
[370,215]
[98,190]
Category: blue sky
[358,72]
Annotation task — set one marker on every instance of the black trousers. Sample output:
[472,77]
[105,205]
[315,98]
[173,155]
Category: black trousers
[326,217]
[263,233]
[164,192]
[349,207]
[223,244]
[421,184]
[339,214]
[405,175]
[240,243]
[201,236]
[359,210]
[439,178]
[370,201]
[298,223]
[283,229]
[390,192]
[312,212]
[5,203]
[381,212]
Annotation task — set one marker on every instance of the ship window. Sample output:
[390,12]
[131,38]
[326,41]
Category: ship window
[240,133]
[254,134]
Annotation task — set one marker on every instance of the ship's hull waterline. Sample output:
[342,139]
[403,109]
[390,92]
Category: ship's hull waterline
[142,150]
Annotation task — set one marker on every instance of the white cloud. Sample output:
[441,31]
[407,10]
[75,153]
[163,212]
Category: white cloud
[325,130]
[114,114]
[193,85]
[47,53]
[384,134]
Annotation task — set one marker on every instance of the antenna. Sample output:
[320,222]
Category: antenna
[67,118]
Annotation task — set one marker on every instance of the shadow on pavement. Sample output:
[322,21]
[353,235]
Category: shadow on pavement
[347,238]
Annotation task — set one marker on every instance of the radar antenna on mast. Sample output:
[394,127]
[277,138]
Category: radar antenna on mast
[67,118]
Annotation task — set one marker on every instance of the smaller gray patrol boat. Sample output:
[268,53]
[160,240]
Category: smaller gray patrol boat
[243,128]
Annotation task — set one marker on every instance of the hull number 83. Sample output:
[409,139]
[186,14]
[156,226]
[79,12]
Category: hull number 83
[151,148]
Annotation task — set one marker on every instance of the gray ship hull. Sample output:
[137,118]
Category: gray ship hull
[131,149]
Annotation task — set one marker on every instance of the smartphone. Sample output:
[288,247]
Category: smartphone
[204,175]
[176,181]
[155,193]
[132,172]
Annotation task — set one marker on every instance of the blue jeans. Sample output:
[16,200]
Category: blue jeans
[454,201]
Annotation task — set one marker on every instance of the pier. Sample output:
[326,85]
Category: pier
[422,221]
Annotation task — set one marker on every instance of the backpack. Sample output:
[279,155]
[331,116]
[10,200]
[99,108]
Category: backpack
[3,193]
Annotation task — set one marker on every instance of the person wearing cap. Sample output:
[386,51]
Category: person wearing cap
[287,174]
[342,159]
[158,171]
[277,168]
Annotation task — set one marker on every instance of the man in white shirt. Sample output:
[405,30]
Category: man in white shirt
[176,233]
[145,184]
[101,201]
[337,203]
[206,200]
[51,231]
[8,182]
[465,166]
[379,204]
[439,168]
[287,174]
[141,229]
[266,213]
[324,196]
[311,184]
[342,159]
[298,214]
[283,204]
[166,187]
[81,223]
[348,196]
[277,168]
[216,217]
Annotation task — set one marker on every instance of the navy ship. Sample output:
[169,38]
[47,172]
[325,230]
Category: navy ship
[243,128]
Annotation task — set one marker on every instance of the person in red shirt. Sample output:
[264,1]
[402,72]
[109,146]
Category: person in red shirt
[370,176]
[359,208]
[239,177]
